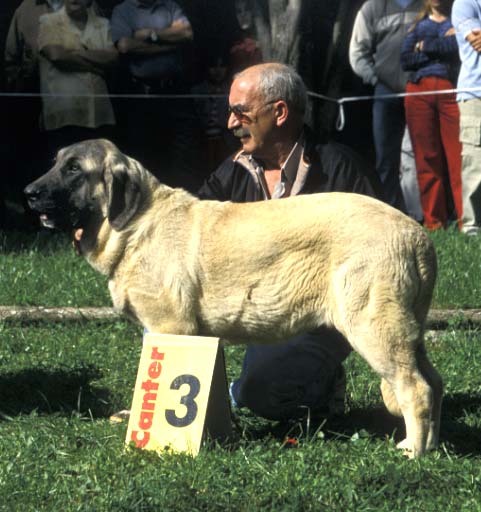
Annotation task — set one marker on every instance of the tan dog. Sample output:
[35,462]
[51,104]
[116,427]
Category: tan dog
[256,272]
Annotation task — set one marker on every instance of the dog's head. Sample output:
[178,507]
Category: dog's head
[90,181]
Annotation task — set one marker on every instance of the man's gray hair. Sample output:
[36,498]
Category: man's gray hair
[282,82]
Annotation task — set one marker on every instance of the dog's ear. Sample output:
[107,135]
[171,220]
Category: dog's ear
[123,191]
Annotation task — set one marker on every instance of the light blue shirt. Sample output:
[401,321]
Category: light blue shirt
[466,16]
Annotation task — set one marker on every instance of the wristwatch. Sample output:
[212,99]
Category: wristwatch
[153,37]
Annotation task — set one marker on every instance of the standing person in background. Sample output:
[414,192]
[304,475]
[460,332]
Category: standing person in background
[21,47]
[24,143]
[466,17]
[151,36]
[374,54]
[76,52]
[430,52]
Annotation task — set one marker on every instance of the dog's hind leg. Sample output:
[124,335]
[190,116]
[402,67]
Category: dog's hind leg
[435,382]
[412,387]
[389,399]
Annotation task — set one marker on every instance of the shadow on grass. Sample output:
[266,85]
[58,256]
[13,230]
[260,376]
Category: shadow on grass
[460,437]
[54,391]
[40,240]
[376,422]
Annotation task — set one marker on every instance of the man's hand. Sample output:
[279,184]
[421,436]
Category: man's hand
[474,39]
[419,46]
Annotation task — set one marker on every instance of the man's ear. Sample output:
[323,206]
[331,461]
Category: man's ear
[282,112]
[123,188]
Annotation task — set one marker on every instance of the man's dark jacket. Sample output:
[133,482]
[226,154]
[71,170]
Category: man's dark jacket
[333,168]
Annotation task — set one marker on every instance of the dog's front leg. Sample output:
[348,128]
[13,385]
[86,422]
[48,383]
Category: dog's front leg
[161,312]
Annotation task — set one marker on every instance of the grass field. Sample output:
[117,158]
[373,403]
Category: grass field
[60,382]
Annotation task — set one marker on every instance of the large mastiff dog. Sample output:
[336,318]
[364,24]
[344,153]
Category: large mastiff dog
[256,272]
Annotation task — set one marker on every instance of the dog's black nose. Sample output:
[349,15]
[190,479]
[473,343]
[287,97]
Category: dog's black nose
[31,191]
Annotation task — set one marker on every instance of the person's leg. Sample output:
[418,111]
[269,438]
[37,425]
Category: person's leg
[388,130]
[423,121]
[470,136]
[280,381]
[409,179]
[449,125]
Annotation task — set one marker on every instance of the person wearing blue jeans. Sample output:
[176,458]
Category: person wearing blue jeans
[388,124]
[374,54]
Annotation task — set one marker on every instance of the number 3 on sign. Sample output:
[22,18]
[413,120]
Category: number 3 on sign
[175,392]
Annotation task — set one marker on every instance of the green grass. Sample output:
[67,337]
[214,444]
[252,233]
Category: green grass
[60,382]
[58,451]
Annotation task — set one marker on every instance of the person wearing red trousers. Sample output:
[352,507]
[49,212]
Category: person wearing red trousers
[430,52]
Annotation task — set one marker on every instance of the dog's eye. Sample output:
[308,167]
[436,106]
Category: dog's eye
[73,167]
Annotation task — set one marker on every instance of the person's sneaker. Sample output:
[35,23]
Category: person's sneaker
[336,402]
[471,231]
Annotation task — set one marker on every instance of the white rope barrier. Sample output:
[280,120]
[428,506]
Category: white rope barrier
[341,118]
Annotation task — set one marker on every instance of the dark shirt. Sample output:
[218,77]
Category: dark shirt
[439,56]
[332,168]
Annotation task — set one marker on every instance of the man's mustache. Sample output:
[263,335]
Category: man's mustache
[241,132]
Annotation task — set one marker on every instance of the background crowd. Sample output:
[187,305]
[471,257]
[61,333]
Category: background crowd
[104,69]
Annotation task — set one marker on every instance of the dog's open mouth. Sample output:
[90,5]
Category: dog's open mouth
[47,222]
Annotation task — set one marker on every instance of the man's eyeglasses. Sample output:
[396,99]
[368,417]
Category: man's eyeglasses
[240,111]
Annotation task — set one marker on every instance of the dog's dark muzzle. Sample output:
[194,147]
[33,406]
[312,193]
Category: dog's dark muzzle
[33,194]
[42,200]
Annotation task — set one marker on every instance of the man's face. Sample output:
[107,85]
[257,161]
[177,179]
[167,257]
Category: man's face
[251,118]
[75,8]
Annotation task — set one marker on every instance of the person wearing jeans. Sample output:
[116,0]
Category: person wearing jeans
[374,50]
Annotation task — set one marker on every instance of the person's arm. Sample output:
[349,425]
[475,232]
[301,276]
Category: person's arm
[467,23]
[67,60]
[362,47]
[474,39]
[443,48]
[149,41]
[85,60]
[13,55]
[411,56]
[179,32]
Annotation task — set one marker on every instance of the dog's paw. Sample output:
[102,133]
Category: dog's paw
[406,448]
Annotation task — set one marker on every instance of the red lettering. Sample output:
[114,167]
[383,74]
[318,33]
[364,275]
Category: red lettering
[148,404]
[140,443]
[145,421]
[149,401]
[156,354]
[154,370]
[148,385]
